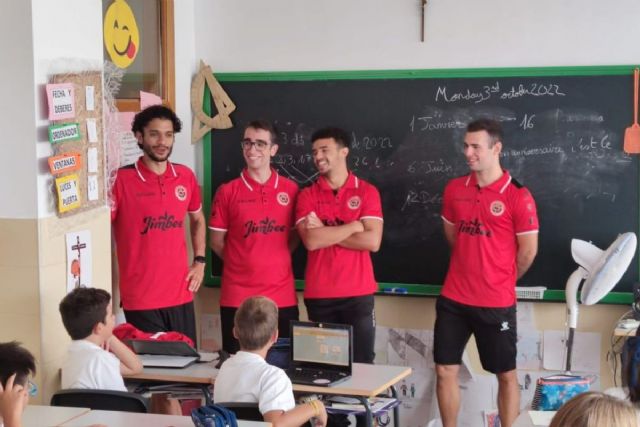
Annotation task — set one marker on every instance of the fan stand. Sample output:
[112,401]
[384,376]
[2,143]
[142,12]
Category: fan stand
[571,295]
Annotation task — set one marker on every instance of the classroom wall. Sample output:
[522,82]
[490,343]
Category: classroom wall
[290,35]
[41,38]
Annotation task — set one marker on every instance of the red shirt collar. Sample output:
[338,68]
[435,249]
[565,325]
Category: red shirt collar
[251,183]
[145,173]
[497,186]
[351,182]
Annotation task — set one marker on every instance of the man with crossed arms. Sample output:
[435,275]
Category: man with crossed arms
[339,219]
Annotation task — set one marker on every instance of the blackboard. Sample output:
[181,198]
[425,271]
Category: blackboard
[564,133]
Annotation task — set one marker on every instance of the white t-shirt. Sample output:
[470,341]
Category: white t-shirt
[247,377]
[90,366]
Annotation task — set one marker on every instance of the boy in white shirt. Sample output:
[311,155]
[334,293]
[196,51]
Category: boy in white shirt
[16,365]
[247,377]
[96,359]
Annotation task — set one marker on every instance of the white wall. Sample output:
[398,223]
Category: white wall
[255,35]
[305,35]
[18,142]
[62,42]
[186,66]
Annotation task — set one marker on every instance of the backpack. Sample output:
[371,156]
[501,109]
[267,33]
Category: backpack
[213,416]
[554,391]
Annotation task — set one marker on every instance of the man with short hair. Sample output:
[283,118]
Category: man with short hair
[151,199]
[252,232]
[339,219]
[491,225]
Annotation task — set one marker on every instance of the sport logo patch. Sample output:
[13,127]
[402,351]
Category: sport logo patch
[354,202]
[497,208]
[181,193]
[283,198]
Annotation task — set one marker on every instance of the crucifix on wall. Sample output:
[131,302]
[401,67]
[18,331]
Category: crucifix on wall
[78,259]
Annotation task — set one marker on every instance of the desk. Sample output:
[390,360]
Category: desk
[623,332]
[366,381]
[131,419]
[39,416]
[197,374]
[524,419]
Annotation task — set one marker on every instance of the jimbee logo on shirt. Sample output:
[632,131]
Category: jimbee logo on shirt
[161,223]
[473,228]
[265,226]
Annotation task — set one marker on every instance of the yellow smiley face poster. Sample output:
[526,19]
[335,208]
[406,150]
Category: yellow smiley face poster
[121,34]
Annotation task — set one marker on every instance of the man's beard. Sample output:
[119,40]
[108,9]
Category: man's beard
[150,154]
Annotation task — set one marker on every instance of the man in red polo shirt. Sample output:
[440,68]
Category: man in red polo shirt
[151,199]
[339,219]
[252,232]
[491,225]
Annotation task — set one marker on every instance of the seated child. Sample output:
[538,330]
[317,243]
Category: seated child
[16,365]
[96,359]
[247,377]
[595,409]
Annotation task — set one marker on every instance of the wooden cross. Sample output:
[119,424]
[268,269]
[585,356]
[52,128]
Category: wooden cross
[78,247]
[424,5]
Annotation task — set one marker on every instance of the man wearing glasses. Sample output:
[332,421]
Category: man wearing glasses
[252,232]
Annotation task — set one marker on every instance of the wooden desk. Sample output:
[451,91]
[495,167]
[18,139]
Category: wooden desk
[622,332]
[366,381]
[39,416]
[197,373]
[131,419]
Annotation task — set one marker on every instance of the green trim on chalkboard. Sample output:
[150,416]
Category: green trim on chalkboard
[414,290]
[425,74]
[206,152]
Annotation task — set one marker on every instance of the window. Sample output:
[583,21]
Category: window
[149,67]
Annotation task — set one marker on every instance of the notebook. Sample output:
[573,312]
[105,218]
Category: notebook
[321,353]
[164,354]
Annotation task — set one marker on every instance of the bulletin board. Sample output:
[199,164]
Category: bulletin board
[87,91]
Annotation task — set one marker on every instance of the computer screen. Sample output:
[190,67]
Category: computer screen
[321,345]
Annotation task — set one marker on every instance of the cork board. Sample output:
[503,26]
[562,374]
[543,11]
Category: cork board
[84,145]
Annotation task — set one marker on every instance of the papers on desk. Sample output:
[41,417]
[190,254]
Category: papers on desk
[159,361]
[541,418]
[343,405]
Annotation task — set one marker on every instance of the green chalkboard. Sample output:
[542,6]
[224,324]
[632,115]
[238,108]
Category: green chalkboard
[563,140]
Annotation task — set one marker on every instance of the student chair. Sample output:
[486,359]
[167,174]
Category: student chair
[244,410]
[108,400]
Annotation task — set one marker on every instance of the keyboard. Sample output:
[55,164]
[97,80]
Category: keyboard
[316,377]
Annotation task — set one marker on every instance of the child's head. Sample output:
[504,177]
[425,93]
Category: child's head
[15,359]
[86,311]
[595,409]
[256,323]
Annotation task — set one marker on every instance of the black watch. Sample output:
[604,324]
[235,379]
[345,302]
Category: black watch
[200,259]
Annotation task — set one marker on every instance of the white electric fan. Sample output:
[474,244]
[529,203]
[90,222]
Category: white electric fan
[600,270]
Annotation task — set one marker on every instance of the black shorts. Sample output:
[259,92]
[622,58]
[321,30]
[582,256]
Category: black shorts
[355,311]
[494,330]
[179,318]
[231,345]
